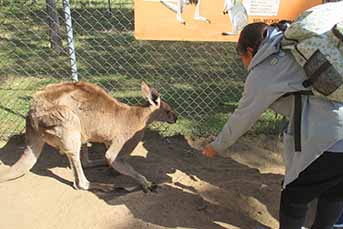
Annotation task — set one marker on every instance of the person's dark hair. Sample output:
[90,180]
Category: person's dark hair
[251,37]
[282,25]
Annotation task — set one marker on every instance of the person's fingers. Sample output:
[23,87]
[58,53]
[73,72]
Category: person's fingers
[208,151]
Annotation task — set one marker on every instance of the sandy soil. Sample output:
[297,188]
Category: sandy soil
[239,190]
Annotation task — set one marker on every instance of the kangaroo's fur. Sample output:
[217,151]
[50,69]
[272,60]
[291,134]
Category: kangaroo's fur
[65,115]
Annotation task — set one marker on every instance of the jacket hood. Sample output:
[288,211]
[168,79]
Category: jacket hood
[270,45]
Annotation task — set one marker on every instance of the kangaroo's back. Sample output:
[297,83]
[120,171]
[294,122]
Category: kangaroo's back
[76,96]
[78,91]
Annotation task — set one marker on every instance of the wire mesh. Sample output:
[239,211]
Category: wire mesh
[202,81]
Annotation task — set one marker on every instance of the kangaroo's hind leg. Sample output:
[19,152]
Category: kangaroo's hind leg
[197,15]
[71,147]
[177,7]
[63,130]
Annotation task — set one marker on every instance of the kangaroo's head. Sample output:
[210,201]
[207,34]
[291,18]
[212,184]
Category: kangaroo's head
[228,5]
[162,110]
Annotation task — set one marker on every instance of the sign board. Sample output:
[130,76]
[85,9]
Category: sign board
[204,20]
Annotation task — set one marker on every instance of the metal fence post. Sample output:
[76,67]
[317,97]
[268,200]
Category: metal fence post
[70,40]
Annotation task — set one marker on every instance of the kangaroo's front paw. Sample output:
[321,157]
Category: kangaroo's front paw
[81,185]
[150,187]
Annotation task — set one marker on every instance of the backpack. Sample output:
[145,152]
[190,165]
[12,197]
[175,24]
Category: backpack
[315,39]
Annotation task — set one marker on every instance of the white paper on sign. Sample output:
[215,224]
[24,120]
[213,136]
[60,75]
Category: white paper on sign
[262,7]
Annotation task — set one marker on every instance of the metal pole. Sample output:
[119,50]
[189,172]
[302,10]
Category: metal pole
[109,7]
[70,40]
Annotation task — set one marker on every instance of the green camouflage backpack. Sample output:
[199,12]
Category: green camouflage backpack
[315,39]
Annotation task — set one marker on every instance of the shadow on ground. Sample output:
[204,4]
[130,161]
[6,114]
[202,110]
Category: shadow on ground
[195,192]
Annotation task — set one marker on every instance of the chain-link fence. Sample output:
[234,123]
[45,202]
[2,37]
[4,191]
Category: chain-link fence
[203,81]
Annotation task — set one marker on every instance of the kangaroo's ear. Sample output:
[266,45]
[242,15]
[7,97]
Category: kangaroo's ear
[145,90]
[150,94]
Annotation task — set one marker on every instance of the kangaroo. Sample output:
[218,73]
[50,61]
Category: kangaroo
[66,115]
[238,15]
[177,6]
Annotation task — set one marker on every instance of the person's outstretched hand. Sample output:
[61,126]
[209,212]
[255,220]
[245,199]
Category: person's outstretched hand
[208,151]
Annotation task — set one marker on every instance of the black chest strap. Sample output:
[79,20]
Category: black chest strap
[297,116]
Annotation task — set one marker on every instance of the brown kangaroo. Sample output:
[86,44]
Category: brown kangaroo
[66,115]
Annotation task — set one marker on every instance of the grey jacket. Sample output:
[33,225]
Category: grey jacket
[272,73]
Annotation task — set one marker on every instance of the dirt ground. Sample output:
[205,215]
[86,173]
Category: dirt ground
[239,190]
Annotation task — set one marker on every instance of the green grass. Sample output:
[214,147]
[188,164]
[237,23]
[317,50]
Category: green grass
[202,81]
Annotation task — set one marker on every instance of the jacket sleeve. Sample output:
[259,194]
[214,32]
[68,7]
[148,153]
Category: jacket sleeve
[258,95]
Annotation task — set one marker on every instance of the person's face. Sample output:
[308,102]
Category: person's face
[246,57]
